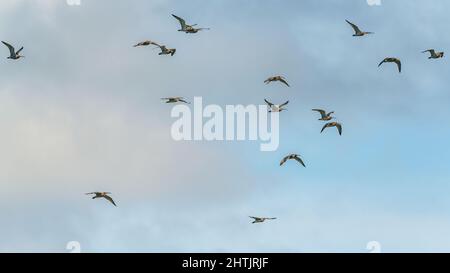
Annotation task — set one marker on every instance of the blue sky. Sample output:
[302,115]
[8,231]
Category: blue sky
[82,112]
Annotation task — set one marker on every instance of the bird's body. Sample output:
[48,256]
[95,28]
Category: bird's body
[165,50]
[13,54]
[260,219]
[292,157]
[175,100]
[434,54]
[276,108]
[333,124]
[358,32]
[102,195]
[392,60]
[275,79]
[187,28]
[324,115]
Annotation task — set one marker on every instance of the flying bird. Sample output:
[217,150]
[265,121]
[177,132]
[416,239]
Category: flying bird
[165,50]
[292,157]
[175,100]
[358,32]
[13,54]
[260,219]
[276,108]
[325,116]
[276,78]
[392,60]
[102,195]
[187,28]
[434,54]
[333,124]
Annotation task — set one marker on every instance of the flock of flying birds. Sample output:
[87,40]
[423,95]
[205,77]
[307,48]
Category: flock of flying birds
[325,116]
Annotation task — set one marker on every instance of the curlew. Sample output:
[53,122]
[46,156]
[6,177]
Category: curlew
[392,60]
[260,219]
[333,124]
[276,108]
[276,79]
[324,115]
[175,100]
[102,195]
[292,157]
[358,32]
[187,28]
[13,54]
[434,54]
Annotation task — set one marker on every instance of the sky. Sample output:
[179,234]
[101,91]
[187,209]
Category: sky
[82,112]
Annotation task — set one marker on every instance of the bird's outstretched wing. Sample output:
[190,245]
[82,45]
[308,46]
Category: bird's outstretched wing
[181,20]
[339,127]
[355,27]
[268,103]
[172,98]
[300,160]
[432,51]
[107,197]
[399,65]
[284,104]
[284,160]
[11,48]
[324,127]
[322,112]
[268,80]
[19,50]
[382,62]
[284,81]
[182,100]
[142,43]
[90,193]
[162,47]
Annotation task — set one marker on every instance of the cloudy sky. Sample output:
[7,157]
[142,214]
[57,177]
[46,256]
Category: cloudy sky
[82,112]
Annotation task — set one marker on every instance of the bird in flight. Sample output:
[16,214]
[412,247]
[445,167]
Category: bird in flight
[187,28]
[145,43]
[292,157]
[393,60]
[358,32]
[102,195]
[333,124]
[13,54]
[165,50]
[175,100]
[276,108]
[325,116]
[276,78]
[260,219]
[434,54]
